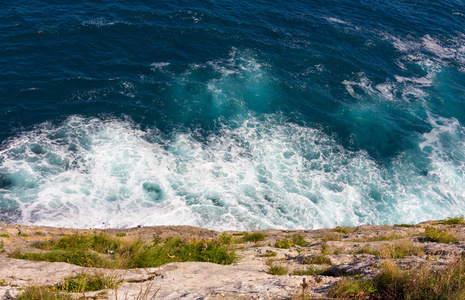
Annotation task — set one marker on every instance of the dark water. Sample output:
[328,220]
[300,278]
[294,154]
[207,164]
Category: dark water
[231,114]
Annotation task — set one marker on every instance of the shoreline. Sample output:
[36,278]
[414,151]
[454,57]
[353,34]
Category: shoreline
[345,251]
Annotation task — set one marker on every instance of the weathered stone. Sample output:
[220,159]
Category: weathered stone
[245,279]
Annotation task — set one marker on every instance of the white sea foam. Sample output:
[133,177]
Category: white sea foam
[336,20]
[258,174]
[159,65]
[431,52]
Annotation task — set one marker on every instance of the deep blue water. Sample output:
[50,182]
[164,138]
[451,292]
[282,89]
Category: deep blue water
[231,114]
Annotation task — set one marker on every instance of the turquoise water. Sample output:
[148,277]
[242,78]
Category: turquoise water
[231,114]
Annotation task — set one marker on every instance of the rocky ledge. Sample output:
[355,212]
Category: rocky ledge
[336,252]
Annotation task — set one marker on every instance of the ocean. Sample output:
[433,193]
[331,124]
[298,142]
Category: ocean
[231,115]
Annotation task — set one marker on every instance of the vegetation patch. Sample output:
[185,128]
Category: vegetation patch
[122,234]
[299,240]
[380,238]
[269,253]
[319,259]
[332,236]
[396,250]
[276,269]
[4,235]
[406,225]
[439,236]
[311,271]
[89,282]
[42,293]
[354,288]
[283,244]
[226,238]
[24,234]
[254,237]
[457,220]
[104,251]
[394,283]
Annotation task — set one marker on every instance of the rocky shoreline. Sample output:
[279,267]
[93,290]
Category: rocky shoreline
[339,252]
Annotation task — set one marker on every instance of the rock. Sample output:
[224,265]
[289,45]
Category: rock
[245,279]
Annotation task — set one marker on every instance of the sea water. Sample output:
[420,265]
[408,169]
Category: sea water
[231,115]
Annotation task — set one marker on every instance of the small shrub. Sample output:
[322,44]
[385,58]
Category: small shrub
[299,240]
[439,236]
[225,238]
[39,233]
[254,237]
[24,234]
[283,244]
[122,234]
[4,235]
[457,220]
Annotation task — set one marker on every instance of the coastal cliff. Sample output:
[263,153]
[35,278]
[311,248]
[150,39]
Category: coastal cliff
[311,262]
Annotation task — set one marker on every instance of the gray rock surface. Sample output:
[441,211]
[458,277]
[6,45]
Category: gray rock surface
[245,279]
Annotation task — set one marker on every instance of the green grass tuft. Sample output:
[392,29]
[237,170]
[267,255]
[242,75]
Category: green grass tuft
[88,282]
[310,271]
[122,234]
[4,235]
[275,269]
[299,240]
[439,236]
[254,237]
[319,259]
[41,293]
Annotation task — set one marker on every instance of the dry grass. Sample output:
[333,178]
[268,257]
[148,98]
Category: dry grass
[379,238]
[396,250]
[276,269]
[394,283]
